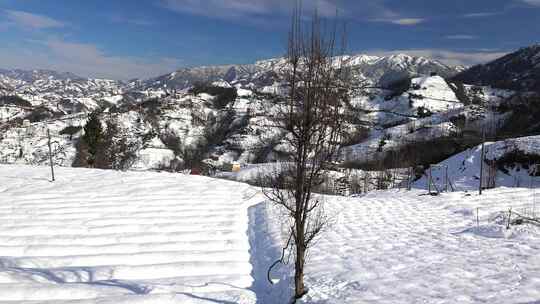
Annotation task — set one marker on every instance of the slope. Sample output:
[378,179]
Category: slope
[519,70]
[509,168]
[104,236]
[109,237]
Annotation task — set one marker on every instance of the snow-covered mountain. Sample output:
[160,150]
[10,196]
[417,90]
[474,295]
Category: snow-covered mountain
[377,70]
[42,87]
[170,129]
[167,126]
[46,85]
[516,71]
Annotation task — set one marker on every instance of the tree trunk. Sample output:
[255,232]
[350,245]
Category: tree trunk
[299,290]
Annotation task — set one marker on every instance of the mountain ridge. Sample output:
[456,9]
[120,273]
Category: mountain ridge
[377,69]
[427,109]
[519,71]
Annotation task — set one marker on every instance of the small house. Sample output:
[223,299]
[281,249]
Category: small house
[236,167]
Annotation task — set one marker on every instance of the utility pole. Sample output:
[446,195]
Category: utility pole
[50,153]
[482,161]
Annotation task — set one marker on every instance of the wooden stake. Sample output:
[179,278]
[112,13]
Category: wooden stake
[50,153]
[482,161]
[477,218]
[429,180]
[446,179]
[365,182]
[509,218]
[409,181]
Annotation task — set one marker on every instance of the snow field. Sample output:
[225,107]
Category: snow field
[109,237]
[399,247]
[464,167]
[99,234]
[437,95]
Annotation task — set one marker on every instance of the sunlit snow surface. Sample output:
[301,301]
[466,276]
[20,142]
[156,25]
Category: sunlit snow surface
[109,237]
[464,167]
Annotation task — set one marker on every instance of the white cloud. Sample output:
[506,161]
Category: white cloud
[250,10]
[446,56]
[32,21]
[408,21]
[400,21]
[83,59]
[532,2]
[247,8]
[461,37]
[482,14]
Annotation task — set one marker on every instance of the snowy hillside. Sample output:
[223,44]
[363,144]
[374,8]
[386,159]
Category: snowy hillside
[108,237]
[171,127]
[517,71]
[264,74]
[39,85]
[464,168]
[50,85]
[427,109]
[54,94]
[427,113]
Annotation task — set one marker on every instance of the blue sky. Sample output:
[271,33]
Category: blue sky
[124,39]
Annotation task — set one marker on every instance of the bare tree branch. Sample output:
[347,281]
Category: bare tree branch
[312,116]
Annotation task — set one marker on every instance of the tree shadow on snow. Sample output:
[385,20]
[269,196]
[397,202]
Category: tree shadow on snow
[82,275]
[205,298]
[263,252]
[133,287]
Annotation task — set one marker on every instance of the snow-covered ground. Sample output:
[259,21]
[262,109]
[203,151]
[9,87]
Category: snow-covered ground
[109,237]
[401,247]
[464,167]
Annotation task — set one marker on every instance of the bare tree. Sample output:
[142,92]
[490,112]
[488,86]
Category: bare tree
[318,84]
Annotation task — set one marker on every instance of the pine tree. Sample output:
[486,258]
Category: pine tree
[93,135]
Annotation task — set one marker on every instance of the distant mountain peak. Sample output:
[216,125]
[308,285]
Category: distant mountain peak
[49,84]
[377,69]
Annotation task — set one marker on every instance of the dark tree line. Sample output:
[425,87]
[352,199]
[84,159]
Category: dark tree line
[104,148]
[223,96]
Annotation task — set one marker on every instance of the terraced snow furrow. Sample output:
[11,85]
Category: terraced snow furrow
[120,221]
[101,234]
[66,250]
[105,221]
[221,228]
[126,210]
[146,238]
[134,203]
[131,259]
[128,239]
[149,271]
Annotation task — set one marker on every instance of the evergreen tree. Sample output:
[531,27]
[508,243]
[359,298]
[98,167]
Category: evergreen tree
[105,155]
[115,151]
[93,135]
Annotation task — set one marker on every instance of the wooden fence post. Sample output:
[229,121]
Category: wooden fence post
[50,153]
[429,180]
[482,161]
